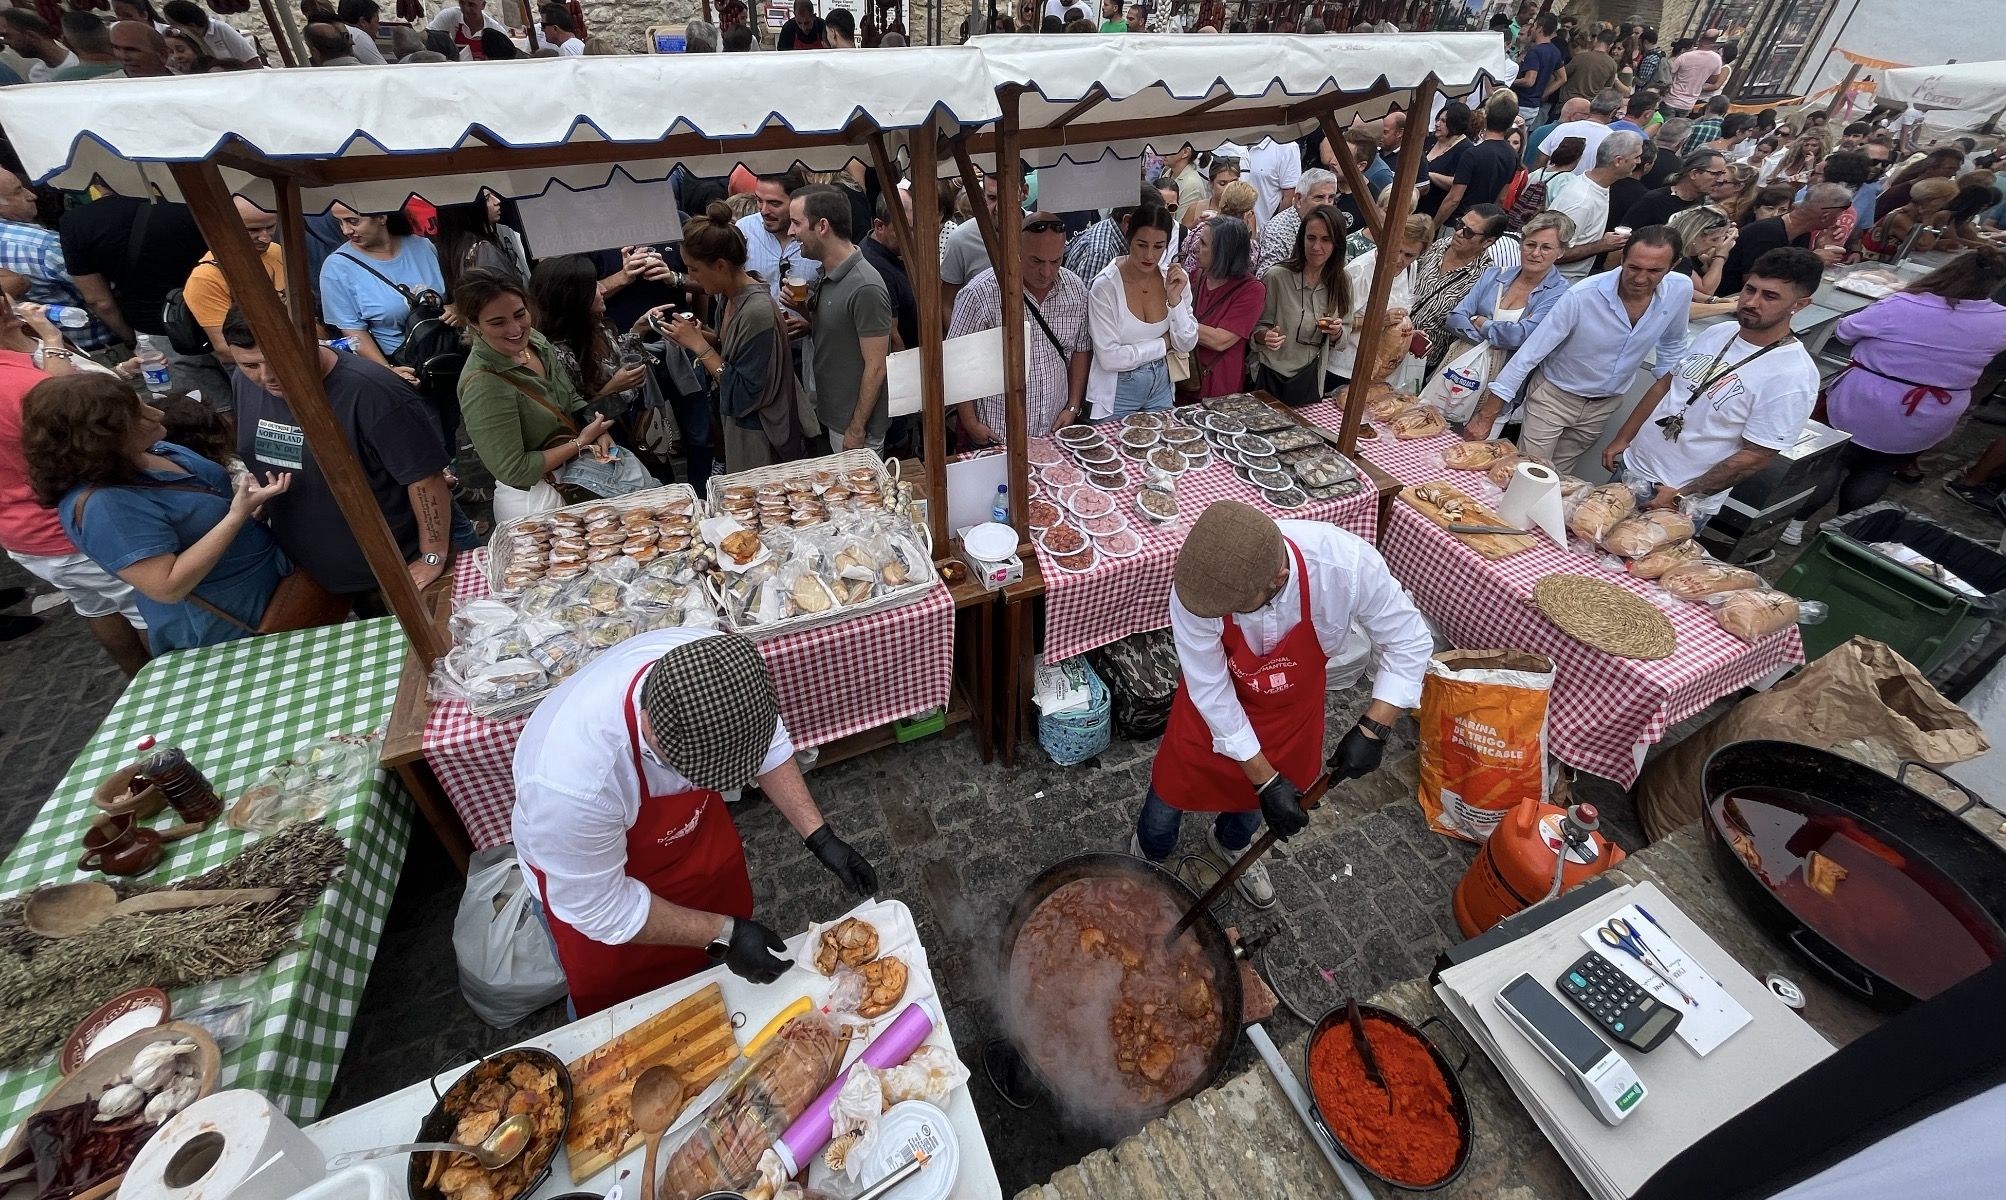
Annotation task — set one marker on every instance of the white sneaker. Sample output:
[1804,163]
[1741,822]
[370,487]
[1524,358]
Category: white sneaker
[1135,848]
[1254,884]
[1793,534]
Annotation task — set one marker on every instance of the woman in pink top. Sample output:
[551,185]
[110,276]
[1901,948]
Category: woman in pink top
[1915,356]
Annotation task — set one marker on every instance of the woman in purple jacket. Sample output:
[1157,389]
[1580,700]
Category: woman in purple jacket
[1915,356]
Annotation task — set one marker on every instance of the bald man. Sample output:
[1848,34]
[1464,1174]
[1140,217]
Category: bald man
[207,292]
[140,49]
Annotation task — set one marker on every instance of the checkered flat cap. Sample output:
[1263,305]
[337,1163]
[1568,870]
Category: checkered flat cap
[1229,560]
[712,708]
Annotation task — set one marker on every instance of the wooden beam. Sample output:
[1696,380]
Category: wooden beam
[293,244]
[1399,203]
[881,158]
[984,219]
[1354,176]
[278,33]
[1095,95]
[1174,128]
[297,362]
[237,155]
[924,271]
[1009,264]
[1839,96]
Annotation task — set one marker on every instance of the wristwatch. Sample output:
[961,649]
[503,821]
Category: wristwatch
[1374,728]
[433,559]
[718,945]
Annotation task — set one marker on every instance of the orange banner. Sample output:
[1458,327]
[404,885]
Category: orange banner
[1872,64]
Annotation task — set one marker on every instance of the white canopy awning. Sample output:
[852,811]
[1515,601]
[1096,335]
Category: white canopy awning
[1977,87]
[574,121]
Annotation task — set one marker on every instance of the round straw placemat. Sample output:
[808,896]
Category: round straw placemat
[1600,614]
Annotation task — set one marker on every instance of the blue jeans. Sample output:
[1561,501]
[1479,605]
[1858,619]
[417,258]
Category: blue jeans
[1143,389]
[693,419]
[463,535]
[1157,827]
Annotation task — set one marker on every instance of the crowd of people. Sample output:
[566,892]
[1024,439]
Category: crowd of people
[1560,231]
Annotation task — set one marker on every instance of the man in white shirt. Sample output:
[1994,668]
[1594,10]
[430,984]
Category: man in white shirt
[769,252]
[620,823]
[1576,367]
[362,17]
[559,33]
[1741,395]
[464,22]
[1257,609]
[1591,129]
[1586,201]
[225,43]
[1274,170]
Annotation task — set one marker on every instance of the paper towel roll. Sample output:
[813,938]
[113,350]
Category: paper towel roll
[1532,501]
[230,1146]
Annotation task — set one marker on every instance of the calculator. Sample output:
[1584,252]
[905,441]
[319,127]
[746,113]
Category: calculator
[1599,988]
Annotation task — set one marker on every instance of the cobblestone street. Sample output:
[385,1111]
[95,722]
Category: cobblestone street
[1363,895]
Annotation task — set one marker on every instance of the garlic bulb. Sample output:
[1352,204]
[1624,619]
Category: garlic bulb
[121,1100]
[155,1064]
[178,1094]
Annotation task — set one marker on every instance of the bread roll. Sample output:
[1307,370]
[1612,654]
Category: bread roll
[1756,613]
[1636,536]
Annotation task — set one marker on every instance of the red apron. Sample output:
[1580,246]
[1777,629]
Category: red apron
[1282,693]
[685,848]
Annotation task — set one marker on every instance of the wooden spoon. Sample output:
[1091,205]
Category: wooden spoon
[73,908]
[658,1097]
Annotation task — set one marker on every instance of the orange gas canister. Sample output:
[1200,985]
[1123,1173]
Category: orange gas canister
[1514,870]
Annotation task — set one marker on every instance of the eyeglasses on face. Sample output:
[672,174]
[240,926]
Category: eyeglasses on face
[1045,227]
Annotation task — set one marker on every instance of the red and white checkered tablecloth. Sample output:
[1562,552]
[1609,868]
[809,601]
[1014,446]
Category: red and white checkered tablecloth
[1605,710]
[832,681]
[1123,596]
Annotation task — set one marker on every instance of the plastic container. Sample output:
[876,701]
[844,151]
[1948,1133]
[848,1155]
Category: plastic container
[911,729]
[68,316]
[999,512]
[187,789]
[1872,595]
[153,368]
[915,1125]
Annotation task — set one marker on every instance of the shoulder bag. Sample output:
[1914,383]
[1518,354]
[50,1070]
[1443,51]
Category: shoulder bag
[580,480]
[1201,361]
[299,601]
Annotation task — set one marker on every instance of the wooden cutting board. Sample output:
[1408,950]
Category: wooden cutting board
[1491,545]
[694,1036]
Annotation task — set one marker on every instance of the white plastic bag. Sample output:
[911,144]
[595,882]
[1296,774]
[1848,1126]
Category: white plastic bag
[1457,386]
[508,969]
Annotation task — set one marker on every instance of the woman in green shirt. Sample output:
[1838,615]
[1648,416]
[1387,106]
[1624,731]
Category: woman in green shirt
[1307,297]
[521,410]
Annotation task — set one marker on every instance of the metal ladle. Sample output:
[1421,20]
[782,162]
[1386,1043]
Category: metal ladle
[69,909]
[497,1150]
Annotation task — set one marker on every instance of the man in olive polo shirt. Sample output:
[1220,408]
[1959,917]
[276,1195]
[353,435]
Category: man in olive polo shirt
[852,321]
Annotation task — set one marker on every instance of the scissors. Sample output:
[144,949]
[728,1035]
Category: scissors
[1617,932]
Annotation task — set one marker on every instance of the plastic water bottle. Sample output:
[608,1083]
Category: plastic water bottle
[68,316]
[999,512]
[153,367]
[344,344]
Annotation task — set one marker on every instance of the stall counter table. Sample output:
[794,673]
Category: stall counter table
[237,709]
[834,681]
[394,1118]
[1605,711]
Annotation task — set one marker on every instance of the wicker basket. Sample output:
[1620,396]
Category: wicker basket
[500,544]
[924,577]
[1074,737]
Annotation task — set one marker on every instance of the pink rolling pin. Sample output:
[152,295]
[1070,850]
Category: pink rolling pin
[812,1129]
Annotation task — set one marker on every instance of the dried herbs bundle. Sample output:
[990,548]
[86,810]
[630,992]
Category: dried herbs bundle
[46,986]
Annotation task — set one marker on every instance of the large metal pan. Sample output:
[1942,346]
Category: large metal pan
[438,1123]
[1217,946]
[1948,862]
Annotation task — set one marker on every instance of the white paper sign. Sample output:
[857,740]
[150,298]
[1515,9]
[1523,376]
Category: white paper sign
[626,212]
[974,369]
[1710,1017]
[1076,187]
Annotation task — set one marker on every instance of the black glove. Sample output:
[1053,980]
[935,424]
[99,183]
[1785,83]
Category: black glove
[749,952]
[1358,753]
[1281,807]
[843,861]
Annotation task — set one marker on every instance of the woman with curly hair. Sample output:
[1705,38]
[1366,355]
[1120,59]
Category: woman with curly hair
[159,516]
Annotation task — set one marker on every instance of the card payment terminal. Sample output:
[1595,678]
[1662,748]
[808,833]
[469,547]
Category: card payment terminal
[1600,1076]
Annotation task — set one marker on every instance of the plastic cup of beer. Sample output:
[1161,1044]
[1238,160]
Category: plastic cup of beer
[795,289]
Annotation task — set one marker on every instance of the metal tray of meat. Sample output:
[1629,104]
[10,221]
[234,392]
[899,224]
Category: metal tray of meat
[1295,437]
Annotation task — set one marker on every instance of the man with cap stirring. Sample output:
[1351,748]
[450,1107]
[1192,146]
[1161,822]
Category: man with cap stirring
[1257,608]
[619,819]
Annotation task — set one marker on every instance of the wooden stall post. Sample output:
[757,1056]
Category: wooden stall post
[296,363]
[291,51]
[925,147]
[1009,263]
[1398,204]
[1354,176]
[292,243]
[1839,95]
[972,182]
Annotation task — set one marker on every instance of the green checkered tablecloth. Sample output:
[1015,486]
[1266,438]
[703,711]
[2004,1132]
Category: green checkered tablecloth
[237,709]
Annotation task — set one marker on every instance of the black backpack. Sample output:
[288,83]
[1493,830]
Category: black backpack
[432,348]
[184,332]
[1530,199]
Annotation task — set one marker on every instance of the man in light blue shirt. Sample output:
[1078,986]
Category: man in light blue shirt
[1578,364]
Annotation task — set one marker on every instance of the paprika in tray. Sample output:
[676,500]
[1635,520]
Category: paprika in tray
[1418,1142]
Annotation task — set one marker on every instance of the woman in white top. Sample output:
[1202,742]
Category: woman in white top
[1415,234]
[1136,314]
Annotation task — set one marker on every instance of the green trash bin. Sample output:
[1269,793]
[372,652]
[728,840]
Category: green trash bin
[1872,595]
